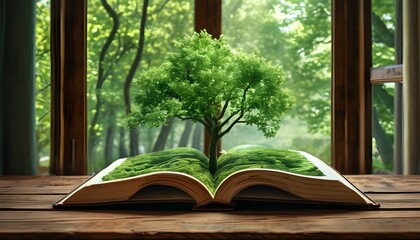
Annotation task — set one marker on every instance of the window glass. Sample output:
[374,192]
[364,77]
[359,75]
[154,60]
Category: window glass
[384,51]
[114,30]
[43,85]
[297,36]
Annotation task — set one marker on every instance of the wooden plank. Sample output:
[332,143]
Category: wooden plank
[386,183]
[68,85]
[28,202]
[39,184]
[397,200]
[288,224]
[385,74]
[351,90]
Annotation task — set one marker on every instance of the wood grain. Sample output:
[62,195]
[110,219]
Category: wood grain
[45,202]
[386,183]
[351,90]
[39,184]
[63,185]
[26,212]
[28,202]
[296,224]
[68,87]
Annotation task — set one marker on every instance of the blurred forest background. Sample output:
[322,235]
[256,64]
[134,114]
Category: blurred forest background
[125,38]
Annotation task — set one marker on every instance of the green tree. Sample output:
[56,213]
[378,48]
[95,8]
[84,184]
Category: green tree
[205,81]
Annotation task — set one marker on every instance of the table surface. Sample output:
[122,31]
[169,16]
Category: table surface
[25,211]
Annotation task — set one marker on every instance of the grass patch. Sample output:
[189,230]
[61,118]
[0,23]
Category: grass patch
[184,160]
[195,163]
[254,156]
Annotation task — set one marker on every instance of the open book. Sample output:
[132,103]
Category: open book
[245,174]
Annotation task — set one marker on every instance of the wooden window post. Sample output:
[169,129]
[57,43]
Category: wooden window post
[68,87]
[351,88]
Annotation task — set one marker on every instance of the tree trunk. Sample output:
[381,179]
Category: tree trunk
[122,150]
[213,150]
[17,88]
[109,144]
[109,138]
[93,138]
[384,144]
[163,135]
[198,137]
[134,139]
[183,142]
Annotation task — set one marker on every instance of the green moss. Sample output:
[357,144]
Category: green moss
[184,160]
[254,156]
[195,163]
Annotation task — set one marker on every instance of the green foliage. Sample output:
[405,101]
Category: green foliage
[42,79]
[254,156]
[200,76]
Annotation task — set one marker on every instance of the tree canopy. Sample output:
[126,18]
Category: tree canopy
[205,81]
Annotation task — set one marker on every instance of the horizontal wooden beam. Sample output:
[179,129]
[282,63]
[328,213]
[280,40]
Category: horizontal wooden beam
[386,74]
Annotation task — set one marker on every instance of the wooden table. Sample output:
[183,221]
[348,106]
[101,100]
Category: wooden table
[25,211]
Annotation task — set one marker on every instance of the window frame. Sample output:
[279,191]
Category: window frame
[68,87]
[351,114]
[351,90]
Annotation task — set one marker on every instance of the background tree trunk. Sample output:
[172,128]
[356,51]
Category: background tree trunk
[109,138]
[109,144]
[198,137]
[17,87]
[134,138]
[183,142]
[383,142]
[163,135]
[122,150]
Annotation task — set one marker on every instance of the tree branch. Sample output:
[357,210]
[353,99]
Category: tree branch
[230,117]
[137,59]
[160,8]
[102,74]
[116,23]
[205,124]
[237,120]
[224,109]
[242,110]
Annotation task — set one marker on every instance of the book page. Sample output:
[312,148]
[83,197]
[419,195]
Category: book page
[298,178]
[154,193]
[331,173]
[265,193]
